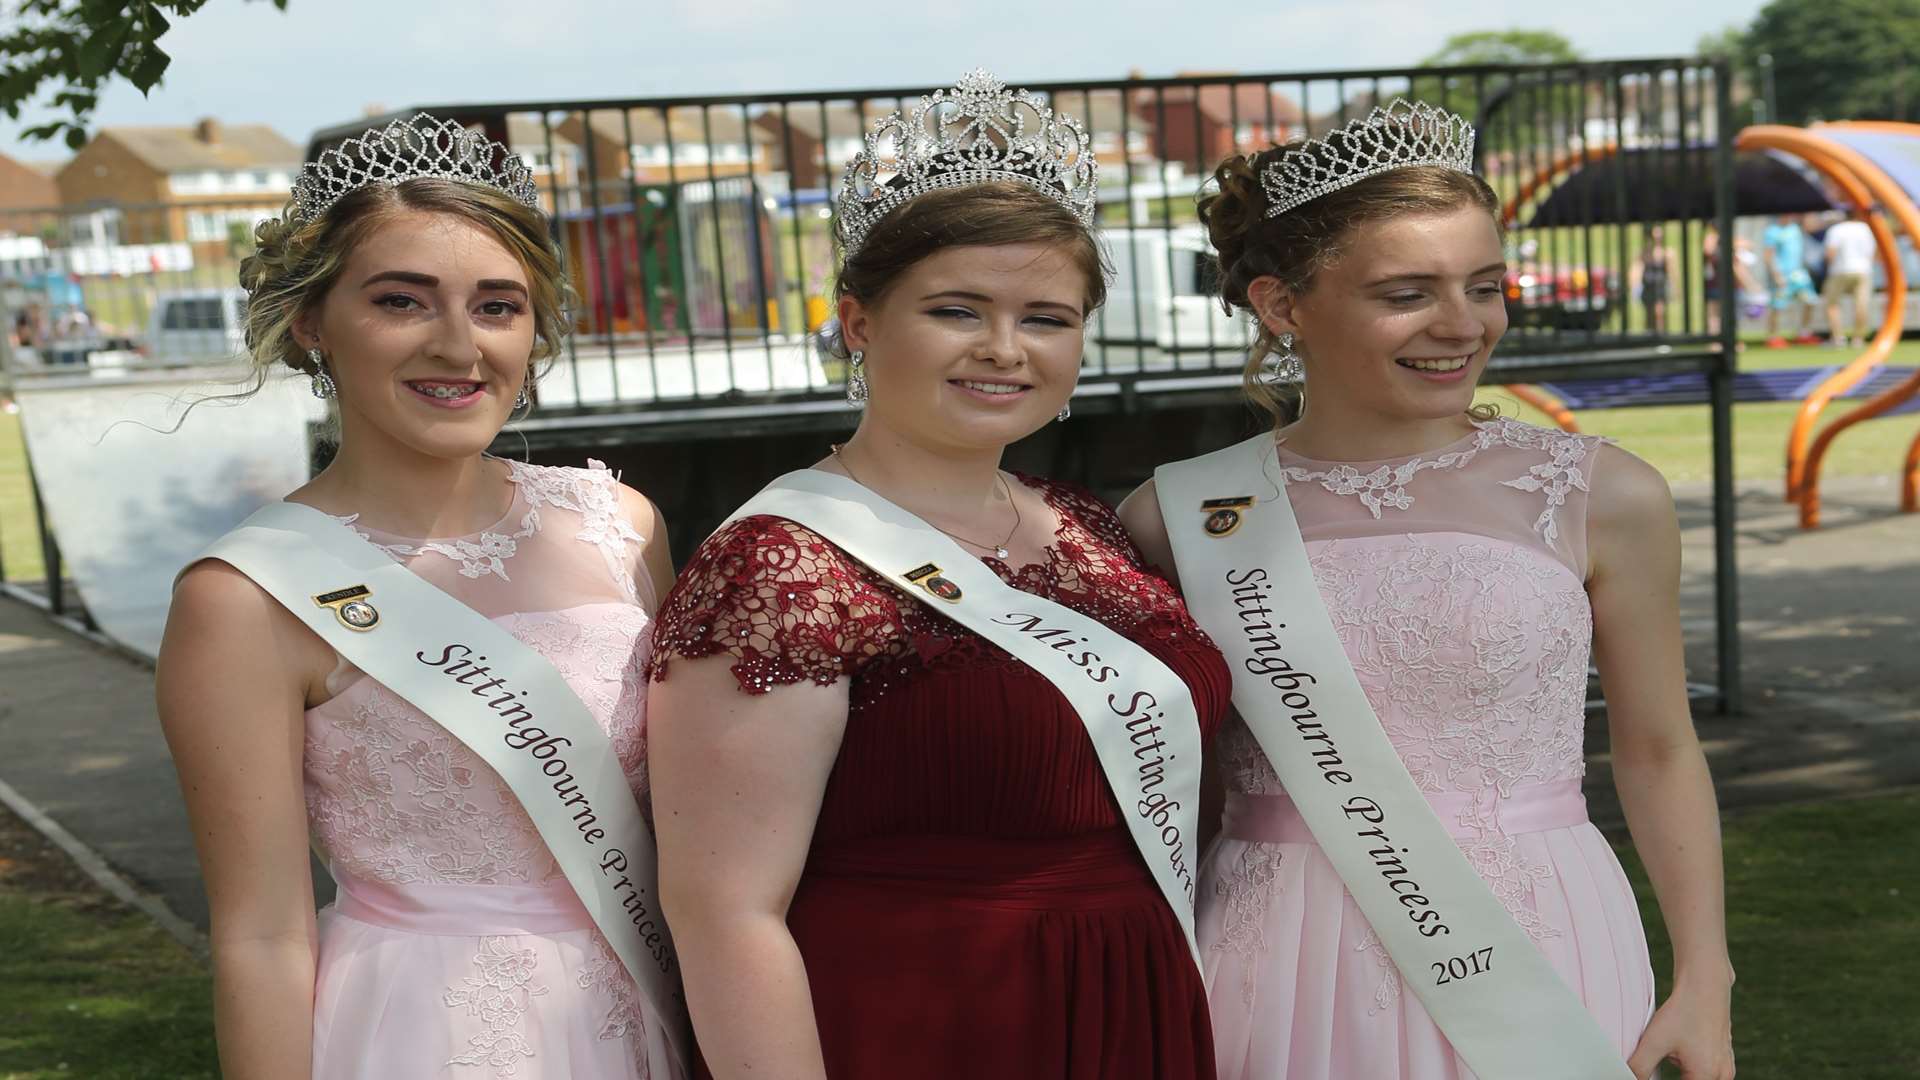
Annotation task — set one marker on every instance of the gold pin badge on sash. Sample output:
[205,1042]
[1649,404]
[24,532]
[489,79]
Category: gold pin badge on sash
[927,576]
[350,607]
[1223,515]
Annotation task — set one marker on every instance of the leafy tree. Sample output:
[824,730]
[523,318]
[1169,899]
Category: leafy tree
[1503,47]
[1521,126]
[75,47]
[1840,59]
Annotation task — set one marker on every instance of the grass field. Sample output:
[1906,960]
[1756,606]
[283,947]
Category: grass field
[1824,928]
[1823,922]
[88,987]
[19,540]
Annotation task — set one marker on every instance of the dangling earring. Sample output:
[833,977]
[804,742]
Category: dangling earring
[1290,369]
[856,378]
[521,400]
[1065,411]
[318,380]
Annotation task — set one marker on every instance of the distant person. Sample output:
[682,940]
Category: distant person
[1745,283]
[415,662]
[1850,248]
[1653,277]
[1784,247]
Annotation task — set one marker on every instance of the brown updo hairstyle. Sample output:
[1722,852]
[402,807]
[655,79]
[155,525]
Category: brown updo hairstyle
[1305,240]
[295,262]
[989,214]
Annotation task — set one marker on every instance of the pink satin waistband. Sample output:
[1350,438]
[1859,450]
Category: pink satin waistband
[1273,819]
[463,910]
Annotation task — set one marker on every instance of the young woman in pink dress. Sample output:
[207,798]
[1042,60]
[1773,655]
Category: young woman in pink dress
[419,306]
[1467,563]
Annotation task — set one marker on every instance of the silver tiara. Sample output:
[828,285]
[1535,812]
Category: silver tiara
[1402,134]
[975,133]
[405,149]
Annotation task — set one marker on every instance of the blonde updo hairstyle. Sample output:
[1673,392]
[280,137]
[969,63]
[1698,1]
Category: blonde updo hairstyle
[1297,245]
[295,262]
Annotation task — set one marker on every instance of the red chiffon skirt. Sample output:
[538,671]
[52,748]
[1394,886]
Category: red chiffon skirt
[967,957]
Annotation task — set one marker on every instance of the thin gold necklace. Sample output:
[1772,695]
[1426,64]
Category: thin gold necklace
[999,550]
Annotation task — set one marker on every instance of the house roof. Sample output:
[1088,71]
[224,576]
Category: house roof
[23,187]
[1101,112]
[1224,101]
[181,149]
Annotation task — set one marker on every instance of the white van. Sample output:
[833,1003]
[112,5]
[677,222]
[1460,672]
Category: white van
[1163,295]
[197,326]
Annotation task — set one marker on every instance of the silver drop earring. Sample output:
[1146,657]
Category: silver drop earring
[856,378]
[1290,369]
[521,400]
[318,380]
[1065,411]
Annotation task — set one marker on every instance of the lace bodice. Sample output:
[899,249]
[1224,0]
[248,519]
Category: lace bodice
[1455,580]
[391,796]
[788,606]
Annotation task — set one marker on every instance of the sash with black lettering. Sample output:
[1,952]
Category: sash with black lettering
[1138,713]
[1244,570]
[401,630]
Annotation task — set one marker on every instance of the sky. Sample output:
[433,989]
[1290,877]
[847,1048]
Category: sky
[322,62]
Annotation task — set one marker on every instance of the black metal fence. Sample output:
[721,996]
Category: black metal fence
[696,234]
[697,230]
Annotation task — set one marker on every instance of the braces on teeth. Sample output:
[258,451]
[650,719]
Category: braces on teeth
[447,391]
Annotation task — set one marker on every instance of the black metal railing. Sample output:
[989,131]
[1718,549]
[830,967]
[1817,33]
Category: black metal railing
[697,236]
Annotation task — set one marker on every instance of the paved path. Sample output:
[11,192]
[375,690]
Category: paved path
[1831,621]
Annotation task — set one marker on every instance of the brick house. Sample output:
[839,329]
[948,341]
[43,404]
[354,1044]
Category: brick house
[23,187]
[181,184]
[1200,125]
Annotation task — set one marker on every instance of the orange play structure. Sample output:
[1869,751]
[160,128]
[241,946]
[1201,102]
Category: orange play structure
[1864,185]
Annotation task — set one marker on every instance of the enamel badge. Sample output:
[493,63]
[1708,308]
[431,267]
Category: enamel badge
[1223,515]
[350,607]
[927,576]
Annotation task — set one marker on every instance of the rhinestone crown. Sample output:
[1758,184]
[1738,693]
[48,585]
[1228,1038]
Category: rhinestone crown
[972,134]
[1389,138]
[405,149]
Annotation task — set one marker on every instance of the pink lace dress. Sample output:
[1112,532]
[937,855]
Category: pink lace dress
[456,949]
[1455,580]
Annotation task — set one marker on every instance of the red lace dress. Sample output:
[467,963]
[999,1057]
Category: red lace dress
[973,904]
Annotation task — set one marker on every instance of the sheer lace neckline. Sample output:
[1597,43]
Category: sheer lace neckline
[1286,452]
[516,509]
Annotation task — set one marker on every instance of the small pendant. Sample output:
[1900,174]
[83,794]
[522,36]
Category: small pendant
[999,553]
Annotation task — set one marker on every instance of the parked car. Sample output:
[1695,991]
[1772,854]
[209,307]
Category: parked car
[1560,297]
[197,326]
[1163,293]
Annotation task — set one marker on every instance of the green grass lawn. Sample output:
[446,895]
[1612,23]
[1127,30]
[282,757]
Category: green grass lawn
[88,987]
[1824,929]
[1824,925]
[1678,439]
[19,539]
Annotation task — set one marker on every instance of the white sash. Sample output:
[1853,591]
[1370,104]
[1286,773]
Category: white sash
[524,722]
[1244,569]
[1138,713]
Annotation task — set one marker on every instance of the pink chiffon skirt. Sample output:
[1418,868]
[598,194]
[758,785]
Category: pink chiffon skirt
[481,981]
[1301,989]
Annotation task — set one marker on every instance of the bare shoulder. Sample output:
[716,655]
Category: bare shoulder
[641,513]
[1140,514]
[220,621]
[1627,493]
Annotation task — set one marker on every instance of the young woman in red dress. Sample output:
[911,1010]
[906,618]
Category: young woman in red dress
[888,848]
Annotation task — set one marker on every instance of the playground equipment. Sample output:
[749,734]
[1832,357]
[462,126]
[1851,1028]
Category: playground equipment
[1869,163]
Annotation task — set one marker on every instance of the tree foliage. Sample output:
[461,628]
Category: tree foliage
[71,49]
[1503,47]
[1839,59]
